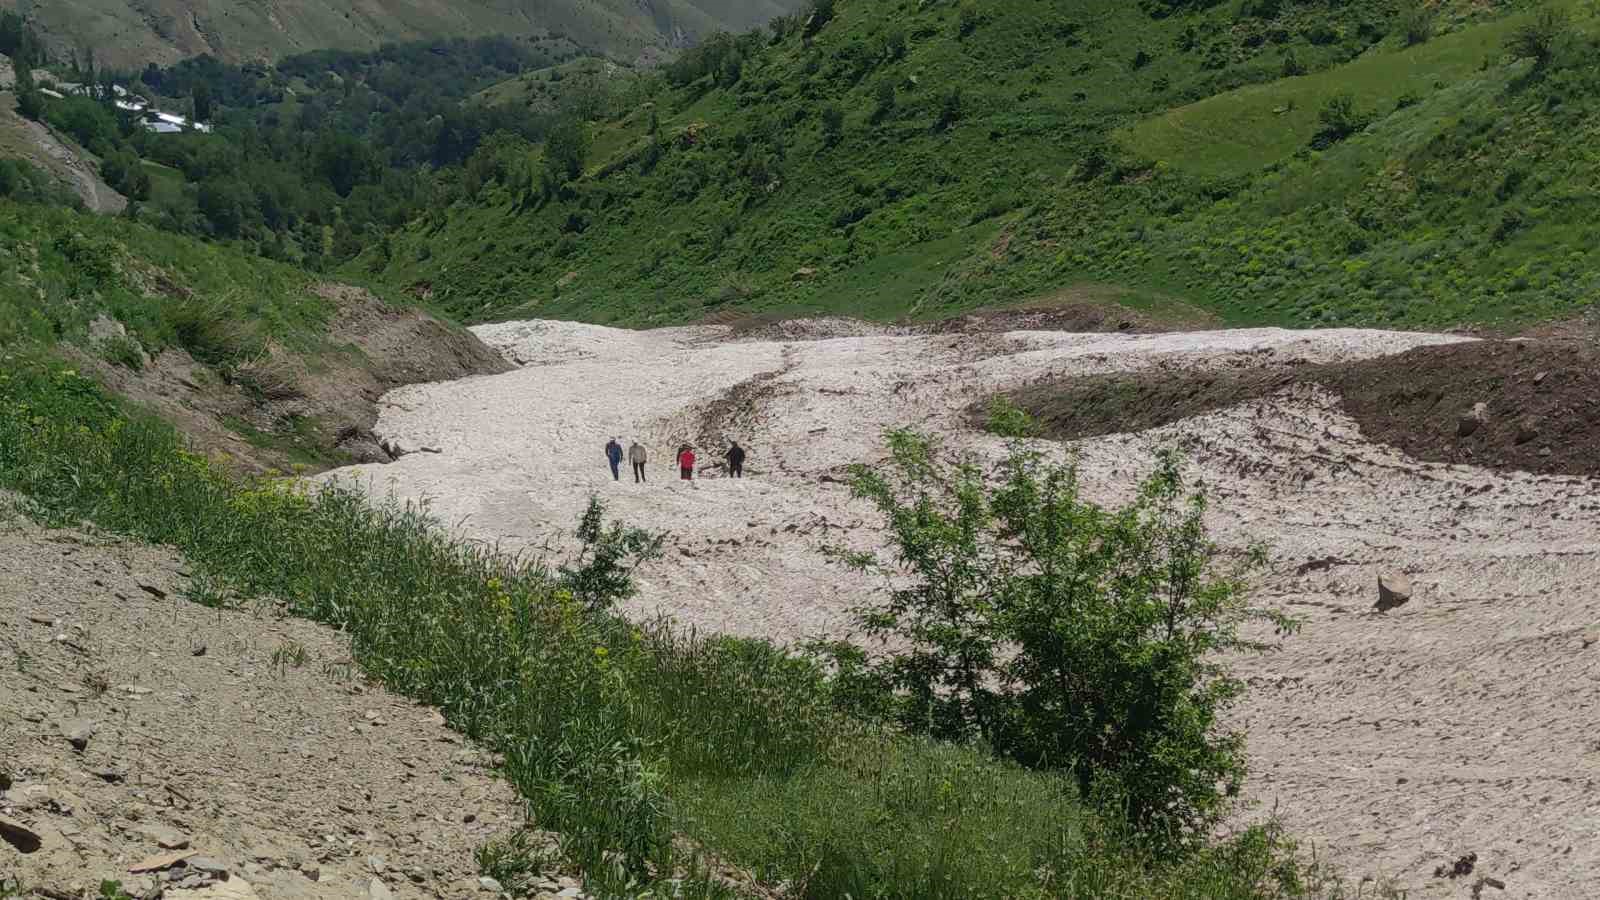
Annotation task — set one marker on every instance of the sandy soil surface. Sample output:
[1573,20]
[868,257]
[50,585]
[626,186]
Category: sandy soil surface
[247,744]
[1395,743]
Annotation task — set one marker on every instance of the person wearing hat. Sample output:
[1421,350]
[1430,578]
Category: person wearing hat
[614,456]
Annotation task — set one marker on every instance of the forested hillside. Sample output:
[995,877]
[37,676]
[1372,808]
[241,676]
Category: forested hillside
[130,33]
[1376,161]
[307,160]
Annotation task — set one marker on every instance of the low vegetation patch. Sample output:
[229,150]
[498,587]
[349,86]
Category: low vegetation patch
[654,753]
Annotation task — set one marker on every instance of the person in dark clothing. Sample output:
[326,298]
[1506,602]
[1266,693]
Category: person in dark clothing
[614,456]
[736,460]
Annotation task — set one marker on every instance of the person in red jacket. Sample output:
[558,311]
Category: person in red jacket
[686,463]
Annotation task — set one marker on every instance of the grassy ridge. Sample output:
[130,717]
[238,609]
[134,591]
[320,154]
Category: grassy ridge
[1244,130]
[1015,148]
[746,196]
[60,269]
[621,737]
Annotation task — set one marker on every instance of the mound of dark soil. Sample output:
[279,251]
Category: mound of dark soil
[1539,412]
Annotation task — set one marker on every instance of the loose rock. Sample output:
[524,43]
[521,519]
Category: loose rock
[1394,590]
[78,732]
[377,890]
[491,885]
[209,866]
[1470,422]
[166,838]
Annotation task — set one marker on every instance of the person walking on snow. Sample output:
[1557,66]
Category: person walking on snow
[736,460]
[614,456]
[686,463]
[638,457]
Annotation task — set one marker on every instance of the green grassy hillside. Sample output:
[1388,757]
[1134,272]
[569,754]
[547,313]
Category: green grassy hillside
[129,33]
[913,160]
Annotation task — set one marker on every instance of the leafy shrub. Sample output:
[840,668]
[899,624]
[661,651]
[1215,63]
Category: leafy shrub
[1416,22]
[968,20]
[566,149]
[1543,37]
[832,124]
[1339,119]
[602,572]
[1007,419]
[894,44]
[885,101]
[122,350]
[951,109]
[1061,634]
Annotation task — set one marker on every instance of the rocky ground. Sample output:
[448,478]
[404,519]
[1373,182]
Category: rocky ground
[188,752]
[1453,728]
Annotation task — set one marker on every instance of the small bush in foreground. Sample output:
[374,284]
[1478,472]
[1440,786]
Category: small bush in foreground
[1063,635]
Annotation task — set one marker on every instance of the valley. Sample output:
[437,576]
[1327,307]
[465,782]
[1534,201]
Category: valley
[1393,743]
[1171,442]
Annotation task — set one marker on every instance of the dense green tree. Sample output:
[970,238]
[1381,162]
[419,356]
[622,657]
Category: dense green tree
[566,148]
[832,124]
[345,161]
[30,103]
[202,101]
[1543,37]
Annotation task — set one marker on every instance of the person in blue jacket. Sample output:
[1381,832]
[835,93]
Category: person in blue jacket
[614,456]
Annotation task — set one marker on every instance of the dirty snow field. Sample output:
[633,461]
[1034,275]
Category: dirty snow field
[1460,723]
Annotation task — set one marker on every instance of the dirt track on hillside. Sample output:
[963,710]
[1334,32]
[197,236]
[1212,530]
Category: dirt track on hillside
[1391,743]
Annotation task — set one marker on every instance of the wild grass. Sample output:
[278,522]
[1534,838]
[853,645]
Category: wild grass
[1166,153]
[60,269]
[1244,130]
[660,757]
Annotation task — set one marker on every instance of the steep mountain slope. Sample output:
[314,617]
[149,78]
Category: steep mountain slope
[1288,162]
[130,33]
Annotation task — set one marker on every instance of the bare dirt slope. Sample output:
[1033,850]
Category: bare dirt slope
[65,162]
[288,410]
[1459,723]
[250,741]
